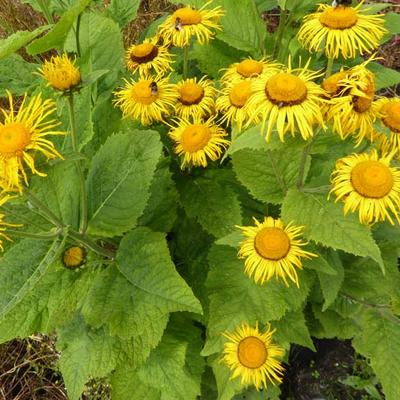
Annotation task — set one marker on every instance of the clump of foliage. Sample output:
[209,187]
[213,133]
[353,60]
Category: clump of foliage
[180,212]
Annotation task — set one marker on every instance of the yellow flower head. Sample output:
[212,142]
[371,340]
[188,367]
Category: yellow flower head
[198,141]
[74,257]
[390,118]
[4,225]
[233,103]
[273,249]
[22,136]
[195,98]
[251,354]
[352,108]
[248,69]
[186,22]
[341,30]
[148,58]
[288,101]
[60,73]
[146,100]
[367,183]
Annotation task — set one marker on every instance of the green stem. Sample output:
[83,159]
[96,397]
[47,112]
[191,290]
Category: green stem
[78,26]
[78,163]
[280,31]
[318,189]
[329,66]
[185,61]
[89,243]
[302,168]
[46,11]
[39,236]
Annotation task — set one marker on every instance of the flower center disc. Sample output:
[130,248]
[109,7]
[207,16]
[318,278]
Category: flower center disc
[191,93]
[372,179]
[14,137]
[392,116]
[144,52]
[285,88]
[272,243]
[249,68]
[195,137]
[240,93]
[339,17]
[362,104]
[252,352]
[141,93]
[331,84]
[188,16]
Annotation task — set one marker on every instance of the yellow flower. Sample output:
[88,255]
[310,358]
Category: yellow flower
[251,354]
[74,257]
[60,72]
[196,98]
[148,57]
[22,136]
[186,22]
[233,103]
[146,100]
[367,183]
[248,69]
[352,108]
[198,141]
[272,249]
[289,101]
[4,225]
[341,30]
[390,118]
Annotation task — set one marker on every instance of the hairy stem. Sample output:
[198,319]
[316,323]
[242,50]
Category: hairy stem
[89,243]
[78,163]
[279,33]
[329,66]
[39,236]
[78,26]
[185,61]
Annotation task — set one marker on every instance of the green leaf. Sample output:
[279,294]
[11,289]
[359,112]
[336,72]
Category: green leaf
[57,35]
[123,11]
[244,31]
[126,310]
[325,223]
[16,75]
[268,174]
[126,385]
[392,24]
[292,328]
[212,202]
[59,191]
[214,56]
[143,258]
[331,284]
[249,139]
[384,77]
[119,181]
[19,39]
[379,340]
[226,386]
[161,210]
[194,3]
[85,353]
[234,297]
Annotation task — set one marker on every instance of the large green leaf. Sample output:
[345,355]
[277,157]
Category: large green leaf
[242,25]
[123,11]
[379,340]
[119,181]
[384,77]
[143,258]
[213,202]
[57,35]
[17,40]
[16,75]
[268,174]
[325,223]
[234,297]
[85,353]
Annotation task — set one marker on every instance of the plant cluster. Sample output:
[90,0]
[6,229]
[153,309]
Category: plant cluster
[180,212]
